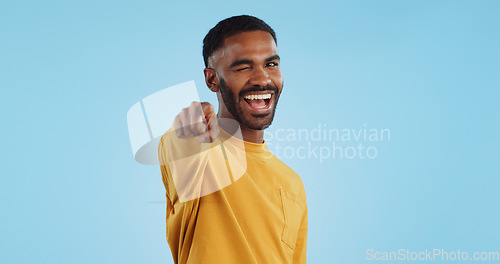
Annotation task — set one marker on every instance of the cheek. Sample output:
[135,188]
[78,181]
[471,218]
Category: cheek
[234,87]
[277,78]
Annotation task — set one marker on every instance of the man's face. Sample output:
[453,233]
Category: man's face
[250,80]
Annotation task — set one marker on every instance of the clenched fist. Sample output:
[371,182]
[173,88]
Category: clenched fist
[197,120]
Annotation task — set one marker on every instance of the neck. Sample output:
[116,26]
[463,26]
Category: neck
[251,135]
[231,125]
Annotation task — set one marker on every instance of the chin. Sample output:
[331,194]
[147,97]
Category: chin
[258,122]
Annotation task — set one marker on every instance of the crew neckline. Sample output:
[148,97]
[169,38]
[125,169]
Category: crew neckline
[247,146]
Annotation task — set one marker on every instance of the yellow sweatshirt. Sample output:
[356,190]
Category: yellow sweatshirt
[231,201]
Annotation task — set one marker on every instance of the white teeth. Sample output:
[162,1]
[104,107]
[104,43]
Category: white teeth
[257,96]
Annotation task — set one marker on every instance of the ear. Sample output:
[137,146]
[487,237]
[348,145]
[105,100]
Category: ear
[211,79]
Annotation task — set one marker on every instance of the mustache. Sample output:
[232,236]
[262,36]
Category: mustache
[258,89]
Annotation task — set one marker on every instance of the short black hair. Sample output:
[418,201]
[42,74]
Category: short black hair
[229,27]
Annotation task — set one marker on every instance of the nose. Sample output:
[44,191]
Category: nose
[260,77]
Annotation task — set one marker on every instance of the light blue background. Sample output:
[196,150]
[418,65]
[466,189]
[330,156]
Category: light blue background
[71,191]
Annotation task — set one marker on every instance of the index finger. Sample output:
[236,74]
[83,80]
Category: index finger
[208,110]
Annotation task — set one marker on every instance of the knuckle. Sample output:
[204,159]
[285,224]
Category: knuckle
[201,127]
[196,129]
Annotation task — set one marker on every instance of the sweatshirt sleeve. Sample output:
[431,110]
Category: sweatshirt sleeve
[191,170]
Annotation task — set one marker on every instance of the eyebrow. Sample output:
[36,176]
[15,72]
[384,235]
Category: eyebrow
[274,57]
[246,61]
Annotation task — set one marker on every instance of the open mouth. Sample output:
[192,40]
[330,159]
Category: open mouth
[258,102]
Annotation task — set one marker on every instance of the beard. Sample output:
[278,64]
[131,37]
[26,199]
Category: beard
[230,99]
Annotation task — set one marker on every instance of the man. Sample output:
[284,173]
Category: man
[260,214]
